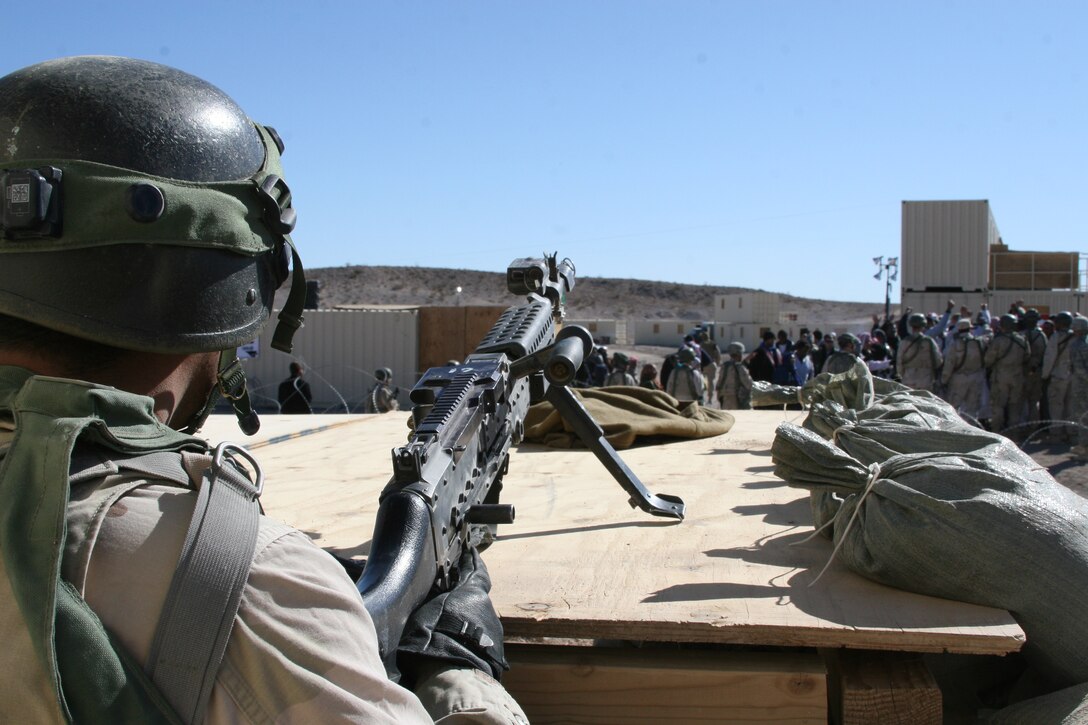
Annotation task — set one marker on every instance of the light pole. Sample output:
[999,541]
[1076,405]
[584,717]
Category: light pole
[890,270]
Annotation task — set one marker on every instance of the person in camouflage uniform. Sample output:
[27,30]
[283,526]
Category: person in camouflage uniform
[1078,359]
[735,383]
[713,368]
[382,396]
[964,372]
[1006,360]
[686,380]
[919,357]
[845,357]
[1033,377]
[620,374]
[1057,376]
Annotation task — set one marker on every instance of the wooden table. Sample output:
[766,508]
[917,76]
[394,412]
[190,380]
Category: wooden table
[736,580]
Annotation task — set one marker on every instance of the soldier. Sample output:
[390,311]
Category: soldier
[735,384]
[710,371]
[619,374]
[1006,359]
[964,372]
[1033,378]
[845,357]
[1057,373]
[145,231]
[382,396]
[918,357]
[686,379]
[1078,358]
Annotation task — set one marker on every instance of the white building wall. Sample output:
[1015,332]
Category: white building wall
[605,332]
[668,333]
[746,307]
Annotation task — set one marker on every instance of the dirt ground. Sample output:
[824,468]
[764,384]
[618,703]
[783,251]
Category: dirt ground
[1065,467]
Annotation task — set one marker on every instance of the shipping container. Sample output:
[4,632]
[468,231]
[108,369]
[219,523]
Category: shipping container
[945,245]
[339,351]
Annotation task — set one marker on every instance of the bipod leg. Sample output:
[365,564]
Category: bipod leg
[591,434]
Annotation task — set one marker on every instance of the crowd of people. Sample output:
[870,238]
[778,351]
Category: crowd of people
[1017,373]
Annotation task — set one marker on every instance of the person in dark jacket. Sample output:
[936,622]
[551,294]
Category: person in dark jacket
[294,393]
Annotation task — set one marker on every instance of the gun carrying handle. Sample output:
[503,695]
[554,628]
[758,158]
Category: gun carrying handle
[400,569]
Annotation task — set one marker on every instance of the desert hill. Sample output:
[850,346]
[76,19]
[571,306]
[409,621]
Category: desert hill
[592,298]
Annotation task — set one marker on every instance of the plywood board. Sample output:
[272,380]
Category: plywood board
[579,562]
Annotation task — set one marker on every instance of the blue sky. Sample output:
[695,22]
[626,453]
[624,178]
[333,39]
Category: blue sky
[759,144]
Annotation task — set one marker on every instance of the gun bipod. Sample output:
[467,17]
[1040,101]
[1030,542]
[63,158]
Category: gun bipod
[572,411]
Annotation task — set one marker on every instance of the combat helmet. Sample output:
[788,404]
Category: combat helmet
[916,320]
[142,209]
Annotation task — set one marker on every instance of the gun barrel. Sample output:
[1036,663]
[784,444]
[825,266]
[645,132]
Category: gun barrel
[571,346]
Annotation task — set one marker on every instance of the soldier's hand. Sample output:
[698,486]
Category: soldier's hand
[459,628]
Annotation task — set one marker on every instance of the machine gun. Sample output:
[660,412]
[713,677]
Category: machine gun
[465,419]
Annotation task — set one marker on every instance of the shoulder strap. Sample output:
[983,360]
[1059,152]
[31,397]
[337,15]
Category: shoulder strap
[206,590]
[911,346]
[90,678]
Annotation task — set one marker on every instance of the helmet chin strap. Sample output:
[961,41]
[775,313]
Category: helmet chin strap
[230,384]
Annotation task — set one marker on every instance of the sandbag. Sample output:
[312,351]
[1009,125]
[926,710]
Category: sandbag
[1065,707]
[917,499]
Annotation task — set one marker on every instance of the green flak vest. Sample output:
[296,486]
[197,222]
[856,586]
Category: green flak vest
[93,679]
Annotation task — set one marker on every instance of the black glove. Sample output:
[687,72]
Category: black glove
[459,627]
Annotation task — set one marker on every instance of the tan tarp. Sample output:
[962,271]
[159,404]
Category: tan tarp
[627,413]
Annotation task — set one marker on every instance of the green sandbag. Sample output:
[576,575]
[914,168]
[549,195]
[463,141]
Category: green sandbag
[1065,707]
[948,510]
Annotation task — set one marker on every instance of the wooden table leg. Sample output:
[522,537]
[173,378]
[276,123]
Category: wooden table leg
[881,687]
